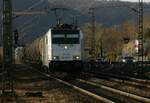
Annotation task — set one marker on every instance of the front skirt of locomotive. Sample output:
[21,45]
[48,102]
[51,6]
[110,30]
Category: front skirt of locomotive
[65,66]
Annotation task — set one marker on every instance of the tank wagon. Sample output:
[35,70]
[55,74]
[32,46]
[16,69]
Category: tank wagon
[60,49]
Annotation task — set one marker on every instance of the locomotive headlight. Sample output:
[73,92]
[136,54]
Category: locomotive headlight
[66,47]
[76,57]
[55,57]
[124,60]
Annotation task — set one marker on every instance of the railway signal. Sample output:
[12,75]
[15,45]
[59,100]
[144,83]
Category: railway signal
[126,40]
[16,36]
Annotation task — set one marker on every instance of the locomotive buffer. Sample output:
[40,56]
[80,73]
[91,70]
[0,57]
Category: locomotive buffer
[7,80]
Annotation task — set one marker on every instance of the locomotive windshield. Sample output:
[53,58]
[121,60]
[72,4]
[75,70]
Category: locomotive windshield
[65,37]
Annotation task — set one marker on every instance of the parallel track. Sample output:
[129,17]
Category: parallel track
[127,97]
[134,87]
[98,91]
[95,96]
[123,79]
[109,95]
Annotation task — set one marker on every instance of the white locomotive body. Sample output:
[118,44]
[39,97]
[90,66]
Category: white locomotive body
[59,49]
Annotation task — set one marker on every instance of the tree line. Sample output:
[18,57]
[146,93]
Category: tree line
[111,39]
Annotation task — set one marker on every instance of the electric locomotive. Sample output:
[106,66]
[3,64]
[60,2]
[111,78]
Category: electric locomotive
[66,48]
[60,49]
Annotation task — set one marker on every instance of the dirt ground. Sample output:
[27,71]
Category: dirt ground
[28,81]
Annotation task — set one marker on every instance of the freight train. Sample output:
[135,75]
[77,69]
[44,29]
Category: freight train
[60,49]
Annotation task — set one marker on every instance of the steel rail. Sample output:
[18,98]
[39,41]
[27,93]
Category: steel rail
[97,97]
[109,89]
[125,77]
[119,92]
[127,82]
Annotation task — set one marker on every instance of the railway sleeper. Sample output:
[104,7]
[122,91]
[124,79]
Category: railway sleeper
[34,94]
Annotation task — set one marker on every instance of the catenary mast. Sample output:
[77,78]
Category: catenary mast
[7,47]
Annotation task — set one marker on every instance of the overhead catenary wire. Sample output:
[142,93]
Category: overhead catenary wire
[83,12]
[27,24]
[34,5]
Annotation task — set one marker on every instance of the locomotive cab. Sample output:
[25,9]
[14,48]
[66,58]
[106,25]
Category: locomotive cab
[66,48]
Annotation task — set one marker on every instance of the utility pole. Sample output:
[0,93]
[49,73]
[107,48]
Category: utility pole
[140,37]
[93,33]
[7,80]
[101,47]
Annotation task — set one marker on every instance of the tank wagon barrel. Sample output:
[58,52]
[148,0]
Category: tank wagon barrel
[32,52]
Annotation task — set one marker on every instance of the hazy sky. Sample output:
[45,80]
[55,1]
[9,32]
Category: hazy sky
[137,0]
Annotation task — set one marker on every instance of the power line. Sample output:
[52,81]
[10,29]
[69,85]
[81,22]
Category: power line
[58,19]
[29,13]
[93,33]
[26,26]
[34,5]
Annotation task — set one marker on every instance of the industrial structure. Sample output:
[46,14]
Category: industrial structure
[7,79]
[141,37]
[92,50]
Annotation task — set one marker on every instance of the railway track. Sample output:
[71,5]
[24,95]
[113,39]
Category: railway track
[33,80]
[125,79]
[118,95]
[101,92]
[128,78]
[134,87]
[33,87]
[95,96]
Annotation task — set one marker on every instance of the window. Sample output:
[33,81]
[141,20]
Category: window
[58,36]
[72,36]
[65,38]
